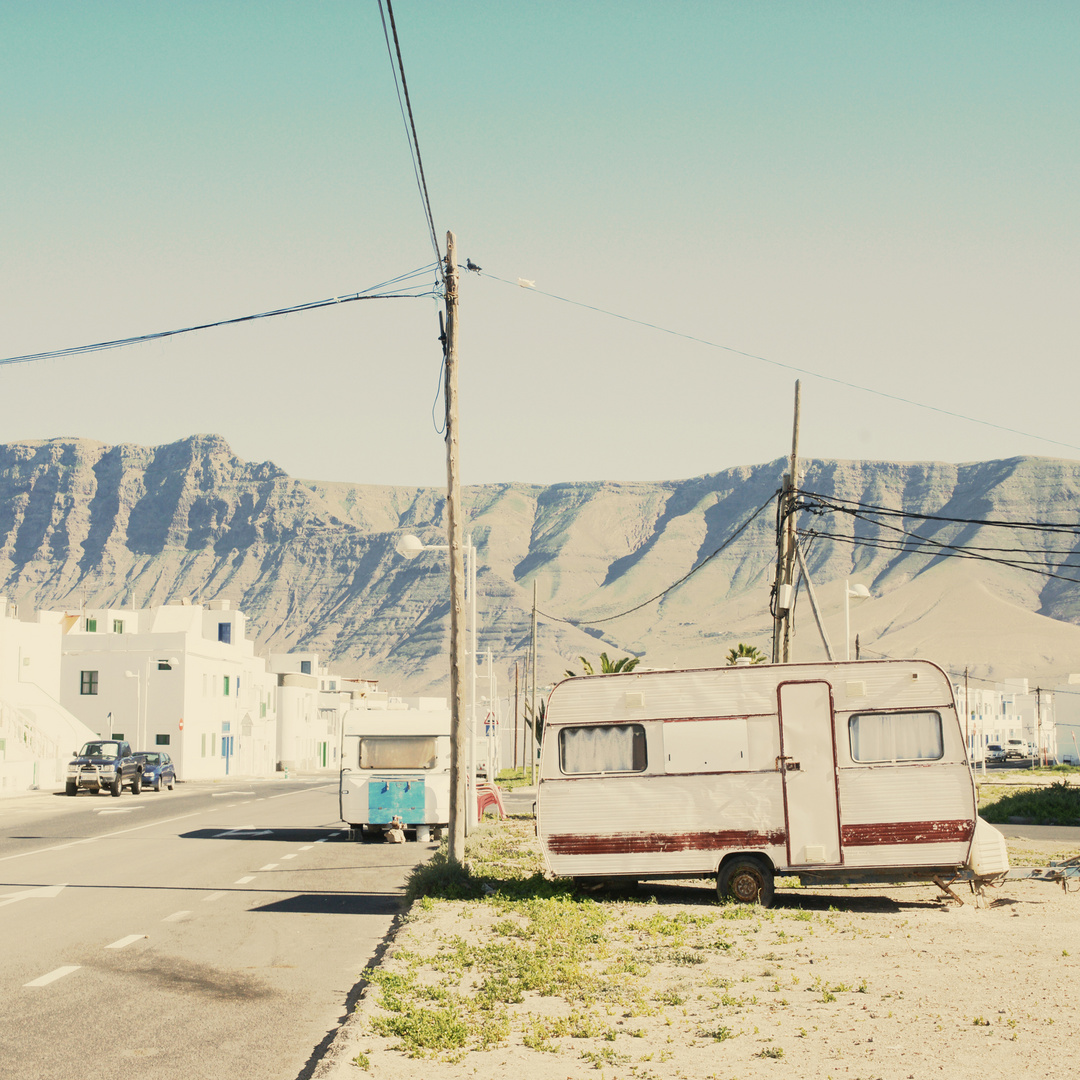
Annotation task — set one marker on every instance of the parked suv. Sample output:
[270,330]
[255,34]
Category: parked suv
[994,752]
[1016,748]
[104,764]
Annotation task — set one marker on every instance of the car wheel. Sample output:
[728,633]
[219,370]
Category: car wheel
[136,784]
[746,879]
[115,789]
[71,789]
[157,783]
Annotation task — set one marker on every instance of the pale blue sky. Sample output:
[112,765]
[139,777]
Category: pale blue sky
[884,194]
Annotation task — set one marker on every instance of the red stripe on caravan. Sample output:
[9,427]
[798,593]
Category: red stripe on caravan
[907,832]
[637,843]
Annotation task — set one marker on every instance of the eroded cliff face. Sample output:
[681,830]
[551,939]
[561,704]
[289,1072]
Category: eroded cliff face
[314,564]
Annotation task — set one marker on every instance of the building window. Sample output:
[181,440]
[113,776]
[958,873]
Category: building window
[164,665]
[262,710]
[612,748]
[333,684]
[226,685]
[305,667]
[161,740]
[224,633]
[91,626]
[118,626]
[88,682]
[914,736]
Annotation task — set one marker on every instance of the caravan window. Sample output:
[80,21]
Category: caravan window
[397,752]
[911,736]
[608,749]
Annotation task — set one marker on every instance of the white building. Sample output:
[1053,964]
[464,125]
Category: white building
[37,734]
[312,701]
[1011,710]
[178,676]
[1067,716]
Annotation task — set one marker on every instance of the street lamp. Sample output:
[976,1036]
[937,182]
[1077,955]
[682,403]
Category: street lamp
[142,701]
[851,592]
[409,547]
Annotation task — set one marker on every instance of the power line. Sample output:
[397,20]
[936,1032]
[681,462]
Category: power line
[410,128]
[788,367]
[370,294]
[673,585]
[837,502]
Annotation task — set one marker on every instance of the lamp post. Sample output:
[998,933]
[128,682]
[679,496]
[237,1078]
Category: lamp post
[142,700]
[409,547]
[856,592]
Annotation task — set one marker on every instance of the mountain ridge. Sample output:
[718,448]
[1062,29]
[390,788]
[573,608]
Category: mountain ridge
[314,566]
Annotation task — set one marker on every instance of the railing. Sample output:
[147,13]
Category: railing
[23,732]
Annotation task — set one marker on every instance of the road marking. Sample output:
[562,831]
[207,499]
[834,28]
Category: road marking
[335,834]
[59,973]
[176,916]
[241,833]
[244,880]
[292,856]
[44,893]
[104,836]
[125,941]
[213,896]
[268,866]
[307,847]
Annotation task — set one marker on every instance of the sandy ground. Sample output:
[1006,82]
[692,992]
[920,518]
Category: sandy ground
[896,982]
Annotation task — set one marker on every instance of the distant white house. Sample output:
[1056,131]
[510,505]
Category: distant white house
[312,701]
[179,677]
[37,734]
[1010,710]
[1067,715]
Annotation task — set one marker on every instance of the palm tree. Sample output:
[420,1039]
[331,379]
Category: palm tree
[752,651]
[607,666]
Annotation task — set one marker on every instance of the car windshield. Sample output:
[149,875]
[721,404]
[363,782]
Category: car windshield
[150,759]
[101,749]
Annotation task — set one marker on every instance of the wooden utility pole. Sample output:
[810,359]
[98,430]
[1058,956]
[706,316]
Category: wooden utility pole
[517,709]
[456,851]
[785,550]
[532,733]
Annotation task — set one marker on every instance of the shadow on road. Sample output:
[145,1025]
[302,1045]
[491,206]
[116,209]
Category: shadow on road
[337,904]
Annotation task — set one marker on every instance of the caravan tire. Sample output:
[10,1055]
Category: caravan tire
[746,879]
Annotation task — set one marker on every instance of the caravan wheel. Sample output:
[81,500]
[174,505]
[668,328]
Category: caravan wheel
[746,879]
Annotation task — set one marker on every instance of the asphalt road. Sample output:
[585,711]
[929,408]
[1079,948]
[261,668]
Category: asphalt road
[216,931]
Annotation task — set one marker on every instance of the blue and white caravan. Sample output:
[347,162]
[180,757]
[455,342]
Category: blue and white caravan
[395,771]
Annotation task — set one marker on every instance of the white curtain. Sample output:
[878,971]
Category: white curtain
[896,736]
[602,749]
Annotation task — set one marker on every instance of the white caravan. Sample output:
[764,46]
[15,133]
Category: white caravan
[830,772]
[395,764]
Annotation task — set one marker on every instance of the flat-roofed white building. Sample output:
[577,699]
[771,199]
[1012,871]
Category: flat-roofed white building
[37,734]
[182,677]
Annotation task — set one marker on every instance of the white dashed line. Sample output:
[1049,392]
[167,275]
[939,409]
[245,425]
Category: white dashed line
[292,856]
[244,880]
[268,866]
[125,941]
[59,973]
[307,847]
[213,896]
[176,916]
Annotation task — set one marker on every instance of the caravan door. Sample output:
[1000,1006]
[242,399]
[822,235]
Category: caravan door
[808,764]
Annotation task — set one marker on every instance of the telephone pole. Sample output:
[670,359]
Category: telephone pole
[456,852]
[785,550]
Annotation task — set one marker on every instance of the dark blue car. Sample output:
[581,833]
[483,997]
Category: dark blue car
[157,770]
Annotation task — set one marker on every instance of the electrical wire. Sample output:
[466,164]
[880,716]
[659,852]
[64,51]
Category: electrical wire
[410,128]
[788,367]
[368,294]
[839,503]
[673,585]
